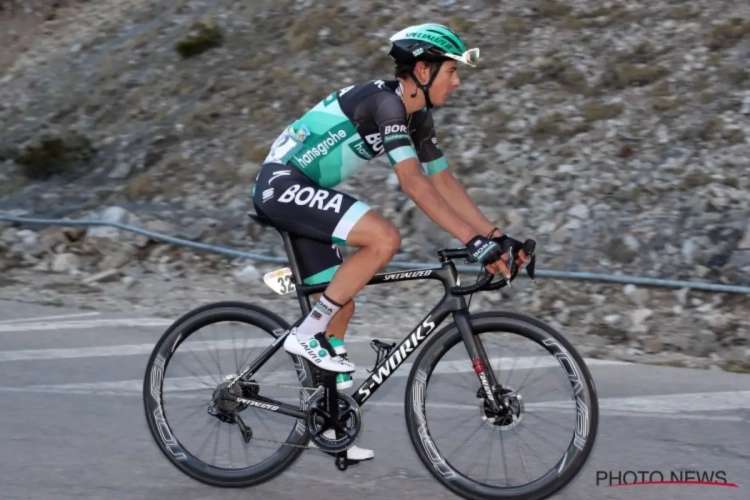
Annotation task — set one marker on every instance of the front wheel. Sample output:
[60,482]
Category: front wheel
[457,460]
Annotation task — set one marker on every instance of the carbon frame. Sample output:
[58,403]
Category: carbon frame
[449,304]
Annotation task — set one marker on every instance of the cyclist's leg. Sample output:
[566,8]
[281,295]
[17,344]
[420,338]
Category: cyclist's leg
[318,263]
[310,212]
[287,197]
[378,241]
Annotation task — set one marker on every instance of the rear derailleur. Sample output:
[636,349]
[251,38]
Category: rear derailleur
[226,408]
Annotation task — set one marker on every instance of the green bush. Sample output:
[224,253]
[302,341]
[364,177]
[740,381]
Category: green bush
[55,155]
[206,36]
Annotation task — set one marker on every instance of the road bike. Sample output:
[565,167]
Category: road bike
[321,406]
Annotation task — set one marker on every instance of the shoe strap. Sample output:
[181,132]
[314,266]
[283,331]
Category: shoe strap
[336,342]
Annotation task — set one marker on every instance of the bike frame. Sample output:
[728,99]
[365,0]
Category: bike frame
[450,304]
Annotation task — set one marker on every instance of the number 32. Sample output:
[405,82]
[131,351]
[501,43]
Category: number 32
[286,284]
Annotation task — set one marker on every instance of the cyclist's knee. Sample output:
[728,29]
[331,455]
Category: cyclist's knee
[388,241]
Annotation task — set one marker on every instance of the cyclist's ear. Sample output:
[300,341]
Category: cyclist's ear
[422,71]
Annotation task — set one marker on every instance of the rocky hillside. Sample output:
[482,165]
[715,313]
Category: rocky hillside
[615,133]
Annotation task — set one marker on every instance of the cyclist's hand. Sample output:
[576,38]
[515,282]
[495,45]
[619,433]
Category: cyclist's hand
[520,258]
[488,253]
[499,266]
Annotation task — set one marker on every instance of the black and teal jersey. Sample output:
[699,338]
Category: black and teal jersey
[354,125]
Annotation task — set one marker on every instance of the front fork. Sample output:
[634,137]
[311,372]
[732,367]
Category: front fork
[479,360]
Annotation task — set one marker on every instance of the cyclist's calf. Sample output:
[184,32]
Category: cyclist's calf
[340,321]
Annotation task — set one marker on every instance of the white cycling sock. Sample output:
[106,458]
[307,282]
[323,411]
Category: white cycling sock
[318,319]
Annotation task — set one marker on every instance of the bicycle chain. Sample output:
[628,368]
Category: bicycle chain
[284,443]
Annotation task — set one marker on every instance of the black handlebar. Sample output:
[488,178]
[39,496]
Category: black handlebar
[484,283]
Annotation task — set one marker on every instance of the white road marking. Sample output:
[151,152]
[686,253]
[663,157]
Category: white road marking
[671,406]
[443,367]
[47,318]
[667,405]
[607,408]
[671,403]
[139,349]
[78,325]
[193,382]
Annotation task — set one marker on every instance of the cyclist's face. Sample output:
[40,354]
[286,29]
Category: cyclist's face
[445,83]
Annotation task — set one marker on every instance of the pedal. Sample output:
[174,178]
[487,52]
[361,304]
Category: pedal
[342,463]
[382,351]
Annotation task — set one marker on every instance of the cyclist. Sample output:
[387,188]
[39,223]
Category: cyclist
[337,137]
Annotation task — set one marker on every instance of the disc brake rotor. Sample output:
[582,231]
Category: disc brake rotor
[511,409]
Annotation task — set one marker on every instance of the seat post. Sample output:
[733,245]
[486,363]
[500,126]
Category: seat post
[304,300]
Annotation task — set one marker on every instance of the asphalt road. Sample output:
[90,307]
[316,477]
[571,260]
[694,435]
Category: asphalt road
[72,424]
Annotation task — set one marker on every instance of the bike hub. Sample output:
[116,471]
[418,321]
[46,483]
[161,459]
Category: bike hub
[510,411]
[224,406]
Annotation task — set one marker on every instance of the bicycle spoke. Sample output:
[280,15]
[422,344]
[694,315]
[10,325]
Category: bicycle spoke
[194,412]
[536,415]
[234,354]
[542,438]
[523,460]
[544,374]
[185,436]
[460,444]
[216,426]
[204,367]
[551,392]
[505,460]
[191,372]
[516,412]
[528,372]
[489,458]
[229,445]
[216,443]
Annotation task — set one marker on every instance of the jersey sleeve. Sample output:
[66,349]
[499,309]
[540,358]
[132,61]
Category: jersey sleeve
[390,117]
[428,150]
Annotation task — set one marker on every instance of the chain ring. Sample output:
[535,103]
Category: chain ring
[316,391]
[350,416]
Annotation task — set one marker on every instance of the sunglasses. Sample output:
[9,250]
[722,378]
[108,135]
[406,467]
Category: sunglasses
[470,57]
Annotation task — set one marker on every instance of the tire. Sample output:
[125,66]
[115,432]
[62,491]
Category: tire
[156,417]
[580,446]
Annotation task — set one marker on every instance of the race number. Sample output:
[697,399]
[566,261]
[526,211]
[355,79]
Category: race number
[280,281]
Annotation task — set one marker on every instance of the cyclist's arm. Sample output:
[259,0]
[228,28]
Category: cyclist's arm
[452,190]
[436,166]
[390,116]
[417,187]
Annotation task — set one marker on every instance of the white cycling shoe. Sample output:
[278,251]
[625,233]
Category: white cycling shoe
[318,350]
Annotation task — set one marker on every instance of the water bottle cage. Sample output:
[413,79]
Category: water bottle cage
[382,350]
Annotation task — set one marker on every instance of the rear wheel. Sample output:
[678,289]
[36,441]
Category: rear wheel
[229,420]
[500,432]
